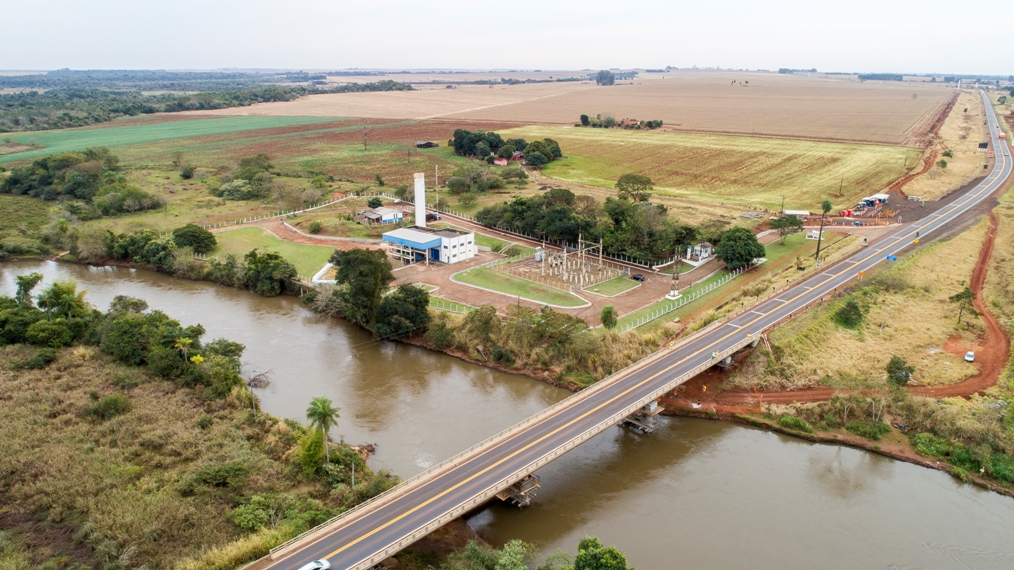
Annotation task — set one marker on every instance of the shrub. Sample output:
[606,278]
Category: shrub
[316,227]
[39,361]
[869,430]
[792,422]
[375,202]
[109,407]
[54,333]
[457,185]
[230,475]
[440,335]
[250,517]
[850,315]
[187,172]
[503,356]
[196,237]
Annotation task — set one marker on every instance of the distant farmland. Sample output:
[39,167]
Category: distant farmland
[147,130]
[745,171]
[841,109]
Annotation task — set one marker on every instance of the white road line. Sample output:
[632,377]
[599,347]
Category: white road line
[737,326]
[759,313]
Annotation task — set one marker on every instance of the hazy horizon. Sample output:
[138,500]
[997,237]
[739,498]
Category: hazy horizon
[862,36]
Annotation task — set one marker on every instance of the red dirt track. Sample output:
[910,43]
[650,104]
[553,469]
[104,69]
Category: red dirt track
[990,358]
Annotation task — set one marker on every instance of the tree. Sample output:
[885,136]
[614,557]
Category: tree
[195,237]
[323,416]
[402,313]
[268,274]
[365,128]
[825,207]
[634,187]
[899,372]
[608,316]
[375,202]
[605,77]
[738,248]
[363,276]
[592,555]
[786,225]
[61,299]
[850,315]
[506,151]
[25,285]
[585,121]
[964,300]
[536,159]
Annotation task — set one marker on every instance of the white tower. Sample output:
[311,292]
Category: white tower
[420,200]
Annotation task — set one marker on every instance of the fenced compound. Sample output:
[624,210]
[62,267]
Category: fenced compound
[450,306]
[686,298]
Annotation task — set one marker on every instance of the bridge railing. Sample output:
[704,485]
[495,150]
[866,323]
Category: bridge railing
[516,476]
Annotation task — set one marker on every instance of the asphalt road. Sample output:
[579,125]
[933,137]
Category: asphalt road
[370,531]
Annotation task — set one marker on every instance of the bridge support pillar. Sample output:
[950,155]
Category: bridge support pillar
[522,492]
[644,419]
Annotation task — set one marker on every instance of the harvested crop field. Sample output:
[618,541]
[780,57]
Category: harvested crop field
[746,171]
[710,101]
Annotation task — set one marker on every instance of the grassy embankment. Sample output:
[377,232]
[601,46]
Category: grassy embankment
[308,259]
[160,484]
[744,171]
[908,315]
[517,287]
[960,135]
[614,287]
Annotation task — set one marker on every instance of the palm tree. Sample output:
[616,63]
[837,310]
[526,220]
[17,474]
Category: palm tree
[182,345]
[825,207]
[61,299]
[322,414]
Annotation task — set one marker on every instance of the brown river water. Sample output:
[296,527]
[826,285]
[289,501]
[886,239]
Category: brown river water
[695,494]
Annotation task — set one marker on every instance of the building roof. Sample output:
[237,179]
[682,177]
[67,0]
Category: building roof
[413,237]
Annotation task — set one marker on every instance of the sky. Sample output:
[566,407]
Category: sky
[844,35]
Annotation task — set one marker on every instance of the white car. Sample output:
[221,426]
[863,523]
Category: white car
[969,356]
[316,565]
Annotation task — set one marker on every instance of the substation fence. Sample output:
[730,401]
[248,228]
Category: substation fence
[682,301]
[450,306]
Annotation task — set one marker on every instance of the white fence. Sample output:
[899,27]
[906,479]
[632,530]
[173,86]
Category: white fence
[283,213]
[688,297]
[450,306]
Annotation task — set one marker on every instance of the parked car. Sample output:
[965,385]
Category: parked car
[969,356]
[637,277]
[316,565]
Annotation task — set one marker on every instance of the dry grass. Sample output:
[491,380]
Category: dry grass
[771,104]
[746,171]
[108,490]
[961,133]
[912,319]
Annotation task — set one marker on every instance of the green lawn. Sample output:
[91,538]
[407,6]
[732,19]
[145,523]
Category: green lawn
[308,259]
[109,136]
[510,285]
[614,286]
[630,317]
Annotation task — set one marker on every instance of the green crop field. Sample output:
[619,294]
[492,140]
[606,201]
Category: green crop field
[745,171]
[115,136]
[515,286]
[308,259]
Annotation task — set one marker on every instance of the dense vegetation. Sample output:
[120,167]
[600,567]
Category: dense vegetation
[154,451]
[90,180]
[609,121]
[63,99]
[517,555]
[487,145]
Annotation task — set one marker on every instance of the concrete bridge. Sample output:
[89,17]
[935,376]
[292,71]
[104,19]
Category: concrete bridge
[504,464]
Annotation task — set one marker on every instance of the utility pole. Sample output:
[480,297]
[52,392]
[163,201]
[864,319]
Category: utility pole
[841,186]
[820,236]
[783,205]
[436,185]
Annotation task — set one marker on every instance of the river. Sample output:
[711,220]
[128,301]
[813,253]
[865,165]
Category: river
[695,494]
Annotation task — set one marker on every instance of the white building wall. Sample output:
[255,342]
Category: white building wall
[458,248]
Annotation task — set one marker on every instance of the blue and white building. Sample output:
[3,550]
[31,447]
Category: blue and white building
[422,244]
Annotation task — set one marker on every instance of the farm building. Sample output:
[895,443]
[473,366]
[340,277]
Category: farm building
[500,161]
[411,245]
[801,214]
[425,144]
[383,215]
[814,234]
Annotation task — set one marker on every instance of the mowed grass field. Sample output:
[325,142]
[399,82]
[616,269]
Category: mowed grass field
[515,286]
[308,259]
[114,135]
[745,171]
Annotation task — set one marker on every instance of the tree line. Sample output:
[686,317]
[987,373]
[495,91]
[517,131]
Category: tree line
[78,106]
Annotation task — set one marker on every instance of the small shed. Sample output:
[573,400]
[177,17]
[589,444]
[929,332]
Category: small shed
[383,215]
[425,144]
[814,234]
[700,252]
[500,161]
